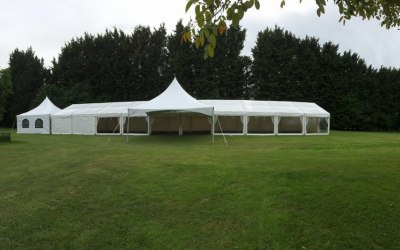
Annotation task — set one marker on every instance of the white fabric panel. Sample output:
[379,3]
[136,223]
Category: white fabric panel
[174,98]
[260,108]
[226,107]
[61,124]
[265,108]
[84,125]
[111,109]
[311,109]
[119,109]
[285,108]
[32,119]
[65,112]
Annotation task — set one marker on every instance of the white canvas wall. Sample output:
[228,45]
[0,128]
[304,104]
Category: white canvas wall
[61,124]
[79,125]
[32,120]
[84,125]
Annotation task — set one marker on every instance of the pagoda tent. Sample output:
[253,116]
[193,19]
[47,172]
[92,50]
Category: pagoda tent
[175,110]
[37,120]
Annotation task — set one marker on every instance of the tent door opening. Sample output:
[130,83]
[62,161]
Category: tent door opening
[180,123]
[108,125]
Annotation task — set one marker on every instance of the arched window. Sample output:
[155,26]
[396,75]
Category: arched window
[25,123]
[39,123]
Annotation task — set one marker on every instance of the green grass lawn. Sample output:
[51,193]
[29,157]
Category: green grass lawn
[340,191]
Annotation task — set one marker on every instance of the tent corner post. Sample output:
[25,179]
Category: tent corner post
[127,128]
[121,125]
[148,119]
[212,128]
[329,125]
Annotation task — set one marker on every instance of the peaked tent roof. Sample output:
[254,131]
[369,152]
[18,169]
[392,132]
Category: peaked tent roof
[45,108]
[174,98]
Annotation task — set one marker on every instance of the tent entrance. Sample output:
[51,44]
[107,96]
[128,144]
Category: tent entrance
[230,125]
[137,125]
[196,124]
[290,125]
[260,125]
[108,125]
[180,123]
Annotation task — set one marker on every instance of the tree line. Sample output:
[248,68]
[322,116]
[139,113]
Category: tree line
[116,66]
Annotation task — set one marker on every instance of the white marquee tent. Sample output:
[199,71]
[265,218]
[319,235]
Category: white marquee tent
[175,111]
[37,120]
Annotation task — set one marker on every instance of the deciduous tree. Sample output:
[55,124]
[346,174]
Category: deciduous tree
[212,17]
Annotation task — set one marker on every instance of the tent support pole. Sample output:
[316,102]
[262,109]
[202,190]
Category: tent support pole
[222,132]
[276,125]
[121,123]
[96,124]
[109,138]
[49,125]
[180,124]
[329,124]
[127,129]
[148,125]
[212,128]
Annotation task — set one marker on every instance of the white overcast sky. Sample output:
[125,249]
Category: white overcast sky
[47,25]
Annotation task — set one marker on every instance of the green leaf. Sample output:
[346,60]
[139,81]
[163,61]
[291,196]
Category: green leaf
[188,5]
[213,40]
[240,13]
[208,16]
[257,4]
[202,38]
[283,3]
[249,4]
[206,33]
[229,13]
[197,10]
[200,20]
